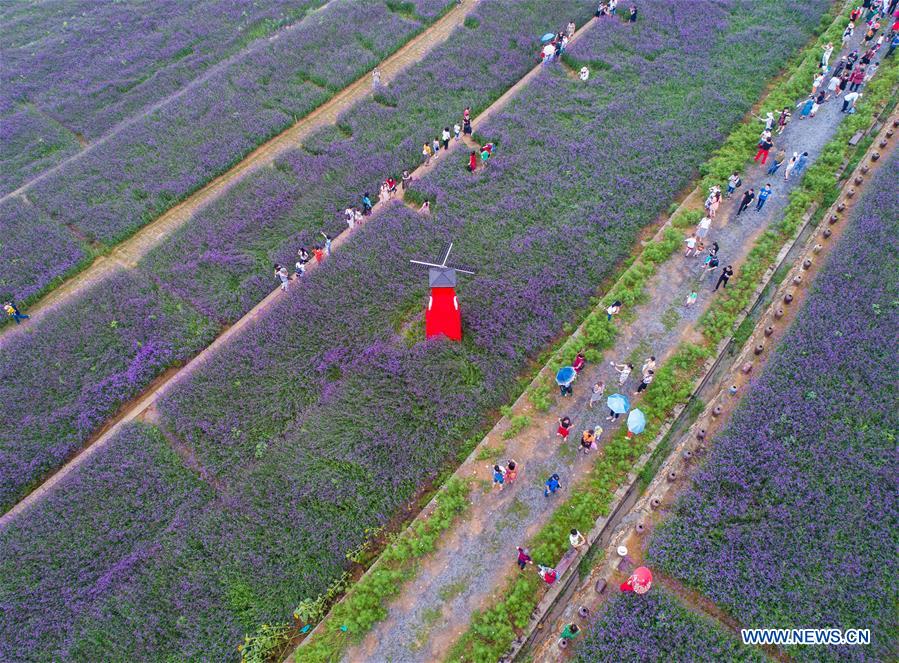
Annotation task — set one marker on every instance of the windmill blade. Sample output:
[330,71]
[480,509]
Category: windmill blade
[461,268]
[426,264]
[444,254]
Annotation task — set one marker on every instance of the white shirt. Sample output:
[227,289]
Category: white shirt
[446,135]
[575,539]
[705,223]
[585,73]
[691,242]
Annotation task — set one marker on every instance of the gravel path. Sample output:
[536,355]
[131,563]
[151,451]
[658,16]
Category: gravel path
[477,556]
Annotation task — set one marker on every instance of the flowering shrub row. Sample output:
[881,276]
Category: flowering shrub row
[769,530]
[74,367]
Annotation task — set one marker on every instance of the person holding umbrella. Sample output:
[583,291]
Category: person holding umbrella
[636,422]
[618,405]
[564,378]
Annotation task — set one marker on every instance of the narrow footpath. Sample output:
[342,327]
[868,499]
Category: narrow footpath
[129,253]
[478,555]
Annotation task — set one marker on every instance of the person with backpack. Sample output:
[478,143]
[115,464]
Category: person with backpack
[733,183]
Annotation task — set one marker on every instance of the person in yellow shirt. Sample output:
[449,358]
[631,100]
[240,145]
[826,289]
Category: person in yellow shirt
[14,313]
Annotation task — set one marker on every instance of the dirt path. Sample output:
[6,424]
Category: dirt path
[478,556]
[544,648]
[128,253]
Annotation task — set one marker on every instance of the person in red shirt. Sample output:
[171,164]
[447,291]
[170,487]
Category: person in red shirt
[391,184]
[319,254]
[472,161]
[579,362]
[856,79]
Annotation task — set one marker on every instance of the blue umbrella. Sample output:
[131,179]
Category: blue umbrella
[618,403]
[636,422]
[549,36]
[565,376]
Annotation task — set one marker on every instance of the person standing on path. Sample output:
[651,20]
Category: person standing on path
[570,29]
[524,558]
[725,277]
[825,57]
[648,365]
[848,32]
[405,180]
[596,393]
[446,138]
[791,164]
[765,145]
[552,485]
[856,78]
[646,381]
[435,147]
[624,372]
[715,203]
[511,472]
[327,243]
[426,154]
[12,311]
[733,183]
[376,79]
[747,198]
[580,360]
[282,275]
[588,440]
[849,102]
[764,194]
[366,204]
[783,119]
[691,245]
[702,228]
[833,85]
[779,158]
[457,131]
[800,164]
[499,477]
[564,428]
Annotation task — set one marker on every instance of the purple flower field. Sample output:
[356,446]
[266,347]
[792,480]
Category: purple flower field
[793,521]
[220,261]
[103,524]
[329,411]
[654,626]
[76,365]
[52,250]
[29,143]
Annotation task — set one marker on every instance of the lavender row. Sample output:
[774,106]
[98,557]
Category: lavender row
[29,143]
[75,366]
[121,184]
[648,627]
[792,523]
[26,273]
[98,528]
[91,65]
[221,261]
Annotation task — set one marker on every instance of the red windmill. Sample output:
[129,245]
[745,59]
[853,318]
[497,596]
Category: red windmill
[443,315]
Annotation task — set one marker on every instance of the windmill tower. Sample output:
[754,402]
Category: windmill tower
[442,315]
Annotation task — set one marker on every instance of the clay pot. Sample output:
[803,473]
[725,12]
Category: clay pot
[841,206]
[865,170]
[640,528]
[700,434]
[779,313]
[833,219]
[717,411]
[807,263]
[600,586]
[563,643]
[882,143]
[817,248]
[655,503]
[827,233]
[688,455]
[851,192]
[672,476]
[769,330]
[746,368]
[889,133]
[759,348]
[583,612]
[896,123]
[788,298]
[858,179]
[876,155]
[797,280]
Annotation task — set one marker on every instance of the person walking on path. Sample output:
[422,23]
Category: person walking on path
[435,147]
[806,107]
[552,485]
[849,102]
[588,440]
[446,137]
[366,204]
[848,32]
[764,194]
[426,153]
[499,477]
[648,365]
[457,132]
[376,79]
[791,164]
[624,372]
[733,183]
[783,120]
[725,277]
[702,228]
[596,393]
[405,180]
[894,44]
[12,311]
[472,161]
[747,198]
[646,381]
[524,558]
[779,158]
[691,245]
[576,539]
[564,428]
[856,78]
[765,145]
[825,56]
[800,164]
[511,472]
[833,85]
[715,203]
[303,258]
[327,243]
[282,275]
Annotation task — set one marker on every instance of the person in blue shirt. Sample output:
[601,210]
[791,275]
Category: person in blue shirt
[763,194]
[800,165]
[552,485]
[366,204]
